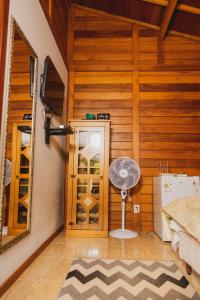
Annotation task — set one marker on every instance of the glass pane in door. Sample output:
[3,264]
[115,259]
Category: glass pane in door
[94,214]
[81,191]
[22,214]
[81,215]
[82,164]
[95,164]
[94,188]
[90,138]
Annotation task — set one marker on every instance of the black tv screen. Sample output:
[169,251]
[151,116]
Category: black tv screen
[52,88]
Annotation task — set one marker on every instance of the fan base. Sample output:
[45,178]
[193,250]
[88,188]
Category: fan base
[123,234]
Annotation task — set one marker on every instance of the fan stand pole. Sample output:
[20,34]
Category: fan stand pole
[123,233]
[123,214]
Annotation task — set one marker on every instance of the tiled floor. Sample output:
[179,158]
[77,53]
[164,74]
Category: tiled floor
[44,278]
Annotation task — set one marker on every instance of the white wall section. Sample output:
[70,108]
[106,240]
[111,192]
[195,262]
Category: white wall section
[48,172]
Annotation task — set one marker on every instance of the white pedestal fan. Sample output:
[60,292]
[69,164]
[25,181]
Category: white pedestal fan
[124,173]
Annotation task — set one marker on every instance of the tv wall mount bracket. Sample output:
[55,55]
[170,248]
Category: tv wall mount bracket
[61,130]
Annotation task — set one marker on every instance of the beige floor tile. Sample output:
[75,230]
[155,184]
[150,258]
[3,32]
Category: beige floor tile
[47,269]
[19,290]
[42,290]
[37,290]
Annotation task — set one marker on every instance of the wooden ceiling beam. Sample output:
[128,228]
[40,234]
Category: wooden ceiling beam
[185,35]
[157,2]
[125,19]
[167,18]
[181,7]
[189,9]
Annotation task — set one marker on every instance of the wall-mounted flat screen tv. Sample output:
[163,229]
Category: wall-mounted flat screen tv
[52,88]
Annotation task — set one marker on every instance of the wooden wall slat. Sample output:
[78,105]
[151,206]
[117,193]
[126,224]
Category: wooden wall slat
[170,121]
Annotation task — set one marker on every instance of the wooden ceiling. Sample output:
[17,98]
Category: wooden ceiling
[181,16]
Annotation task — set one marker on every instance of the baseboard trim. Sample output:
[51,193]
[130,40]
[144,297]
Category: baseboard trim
[7,284]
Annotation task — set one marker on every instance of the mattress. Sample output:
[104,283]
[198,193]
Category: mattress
[189,250]
[187,246]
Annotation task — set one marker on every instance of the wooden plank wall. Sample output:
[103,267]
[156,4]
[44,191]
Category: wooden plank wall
[152,91]
[169,120]
[109,92]
[169,127]
[20,99]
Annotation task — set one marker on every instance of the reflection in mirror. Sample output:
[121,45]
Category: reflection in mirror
[18,156]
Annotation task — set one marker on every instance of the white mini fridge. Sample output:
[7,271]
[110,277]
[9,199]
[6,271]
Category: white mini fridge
[166,188]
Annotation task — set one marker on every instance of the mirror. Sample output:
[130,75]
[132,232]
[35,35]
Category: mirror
[18,141]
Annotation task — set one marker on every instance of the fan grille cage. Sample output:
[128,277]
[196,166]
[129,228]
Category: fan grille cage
[124,173]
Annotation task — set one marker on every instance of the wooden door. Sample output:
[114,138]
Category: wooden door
[88,174]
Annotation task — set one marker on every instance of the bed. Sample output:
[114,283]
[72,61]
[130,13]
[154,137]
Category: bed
[183,218]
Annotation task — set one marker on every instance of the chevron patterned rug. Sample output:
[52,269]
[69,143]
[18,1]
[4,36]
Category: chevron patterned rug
[108,279]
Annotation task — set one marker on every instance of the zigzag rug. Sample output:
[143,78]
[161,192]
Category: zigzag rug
[107,279]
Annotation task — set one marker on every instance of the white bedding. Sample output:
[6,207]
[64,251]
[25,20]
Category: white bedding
[186,212]
[175,236]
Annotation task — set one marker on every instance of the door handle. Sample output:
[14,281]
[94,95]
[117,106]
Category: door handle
[101,177]
[73,176]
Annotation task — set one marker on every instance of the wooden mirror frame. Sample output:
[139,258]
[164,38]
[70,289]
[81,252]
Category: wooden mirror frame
[14,26]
